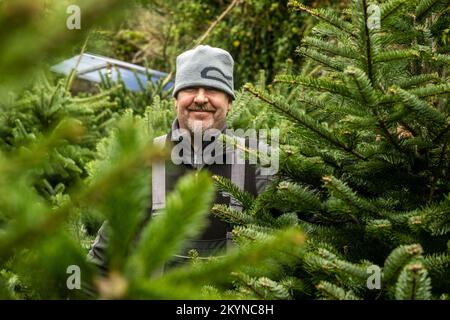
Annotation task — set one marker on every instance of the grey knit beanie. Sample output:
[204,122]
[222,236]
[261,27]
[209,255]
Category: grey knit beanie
[205,66]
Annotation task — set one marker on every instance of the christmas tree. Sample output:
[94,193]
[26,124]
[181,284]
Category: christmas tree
[358,210]
[364,161]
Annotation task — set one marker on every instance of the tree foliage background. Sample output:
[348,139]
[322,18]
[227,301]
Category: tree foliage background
[364,165]
[258,34]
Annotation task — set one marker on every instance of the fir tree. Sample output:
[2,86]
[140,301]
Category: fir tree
[364,171]
[364,162]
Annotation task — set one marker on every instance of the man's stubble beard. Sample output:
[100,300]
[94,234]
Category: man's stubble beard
[199,126]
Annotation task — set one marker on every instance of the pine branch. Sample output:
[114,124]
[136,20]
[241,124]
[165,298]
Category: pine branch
[230,215]
[326,261]
[313,102]
[304,120]
[333,292]
[434,218]
[343,192]
[218,271]
[102,95]
[426,114]
[444,58]
[413,283]
[393,140]
[401,217]
[335,49]
[393,55]
[398,258]
[422,92]
[253,233]
[438,264]
[155,289]
[441,135]
[224,184]
[365,91]
[417,80]
[390,7]
[324,15]
[321,58]
[367,43]
[317,84]
[183,218]
[93,194]
[260,205]
[286,220]
[380,228]
[262,287]
[431,90]
[300,198]
[426,7]
[261,156]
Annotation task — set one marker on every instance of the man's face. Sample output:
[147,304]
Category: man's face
[202,108]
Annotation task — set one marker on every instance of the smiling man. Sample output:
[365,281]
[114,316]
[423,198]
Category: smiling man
[203,88]
[203,94]
[202,108]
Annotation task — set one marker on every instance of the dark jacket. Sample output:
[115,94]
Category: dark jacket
[214,237]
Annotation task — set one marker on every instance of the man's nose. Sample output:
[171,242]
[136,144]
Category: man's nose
[201,97]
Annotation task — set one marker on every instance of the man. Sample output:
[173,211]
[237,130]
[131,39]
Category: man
[203,92]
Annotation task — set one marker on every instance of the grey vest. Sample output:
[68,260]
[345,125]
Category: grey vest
[204,247]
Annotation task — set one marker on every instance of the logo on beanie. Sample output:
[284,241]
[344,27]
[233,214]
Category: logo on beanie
[204,74]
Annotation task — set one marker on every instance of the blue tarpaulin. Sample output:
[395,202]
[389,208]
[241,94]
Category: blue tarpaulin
[91,66]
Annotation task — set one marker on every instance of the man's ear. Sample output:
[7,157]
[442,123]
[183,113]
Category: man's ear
[230,103]
[230,106]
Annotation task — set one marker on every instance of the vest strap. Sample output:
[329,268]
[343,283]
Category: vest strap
[159,180]
[238,179]
[159,183]
[238,172]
